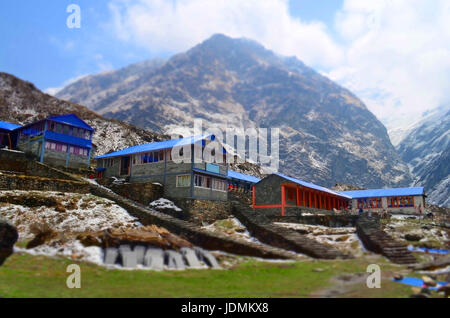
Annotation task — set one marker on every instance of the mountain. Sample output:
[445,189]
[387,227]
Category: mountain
[21,102]
[426,150]
[326,133]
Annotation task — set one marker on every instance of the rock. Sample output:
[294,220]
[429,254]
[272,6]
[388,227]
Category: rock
[89,240]
[174,260]
[111,255]
[445,289]
[435,264]
[413,237]
[140,253]
[318,270]
[146,235]
[342,238]
[154,258]
[190,257]
[425,290]
[129,258]
[43,234]
[398,276]
[429,281]
[8,237]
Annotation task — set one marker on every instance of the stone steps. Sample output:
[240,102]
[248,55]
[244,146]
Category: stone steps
[376,240]
[265,231]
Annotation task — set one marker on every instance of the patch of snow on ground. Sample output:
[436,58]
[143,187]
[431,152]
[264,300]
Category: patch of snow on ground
[83,212]
[164,204]
[71,249]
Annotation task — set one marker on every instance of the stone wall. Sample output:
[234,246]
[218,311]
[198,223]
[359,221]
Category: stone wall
[19,162]
[27,183]
[202,211]
[143,193]
[324,220]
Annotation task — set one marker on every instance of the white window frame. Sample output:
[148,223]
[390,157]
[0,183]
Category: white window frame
[177,184]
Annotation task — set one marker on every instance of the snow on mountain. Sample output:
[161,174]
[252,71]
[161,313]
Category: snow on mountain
[426,149]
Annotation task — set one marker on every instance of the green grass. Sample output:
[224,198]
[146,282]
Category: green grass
[24,275]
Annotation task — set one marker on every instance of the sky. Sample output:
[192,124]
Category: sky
[393,54]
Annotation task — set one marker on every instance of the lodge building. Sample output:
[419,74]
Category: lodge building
[7,135]
[64,140]
[400,200]
[281,191]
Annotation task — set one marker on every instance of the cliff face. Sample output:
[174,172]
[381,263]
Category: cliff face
[426,150]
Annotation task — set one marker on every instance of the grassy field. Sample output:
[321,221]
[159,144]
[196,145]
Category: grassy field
[24,275]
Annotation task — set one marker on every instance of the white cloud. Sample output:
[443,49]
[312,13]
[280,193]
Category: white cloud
[394,54]
[397,56]
[175,26]
[54,90]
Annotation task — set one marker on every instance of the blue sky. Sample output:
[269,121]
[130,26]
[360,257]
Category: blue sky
[38,46]
[394,55]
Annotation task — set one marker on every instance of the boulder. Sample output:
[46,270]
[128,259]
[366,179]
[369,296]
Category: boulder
[8,237]
[429,281]
[445,289]
[413,237]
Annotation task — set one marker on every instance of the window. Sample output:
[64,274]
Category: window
[219,185]
[56,146]
[79,151]
[210,183]
[59,128]
[184,181]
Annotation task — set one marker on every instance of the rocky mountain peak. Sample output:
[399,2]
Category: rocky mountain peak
[327,134]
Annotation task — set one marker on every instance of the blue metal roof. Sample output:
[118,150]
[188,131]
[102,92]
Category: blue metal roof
[242,176]
[72,120]
[8,126]
[312,185]
[384,192]
[155,146]
[68,139]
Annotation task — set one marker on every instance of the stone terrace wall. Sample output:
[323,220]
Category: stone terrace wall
[202,211]
[325,220]
[19,162]
[143,193]
[27,183]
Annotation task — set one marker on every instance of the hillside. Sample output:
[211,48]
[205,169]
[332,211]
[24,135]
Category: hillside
[21,102]
[327,134]
[426,150]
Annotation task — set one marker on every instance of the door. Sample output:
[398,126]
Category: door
[125,166]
